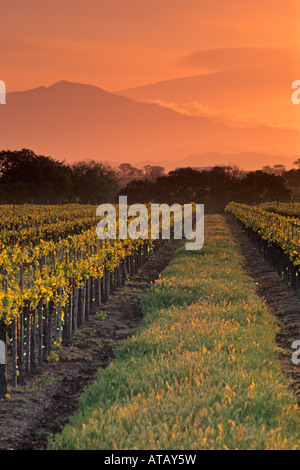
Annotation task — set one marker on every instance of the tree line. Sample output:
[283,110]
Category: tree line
[29,178]
[26,177]
[216,187]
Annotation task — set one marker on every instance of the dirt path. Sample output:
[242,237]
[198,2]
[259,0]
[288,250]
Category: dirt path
[280,299]
[44,404]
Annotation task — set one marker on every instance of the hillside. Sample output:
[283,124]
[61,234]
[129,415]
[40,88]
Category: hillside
[73,121]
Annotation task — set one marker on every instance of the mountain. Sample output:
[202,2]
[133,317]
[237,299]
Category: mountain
[249,161]
[74,121]
[245,160]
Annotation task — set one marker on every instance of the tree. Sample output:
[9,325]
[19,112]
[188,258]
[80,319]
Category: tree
[92,182]
[126,173]
[26,177]
[258,186]
[297,163]
[293,180]
[152,172]
[267,169]
[279,169]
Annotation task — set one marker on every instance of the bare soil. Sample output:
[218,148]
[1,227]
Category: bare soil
[43,405]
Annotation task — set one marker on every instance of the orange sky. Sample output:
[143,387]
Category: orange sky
[242,55]
[117,44]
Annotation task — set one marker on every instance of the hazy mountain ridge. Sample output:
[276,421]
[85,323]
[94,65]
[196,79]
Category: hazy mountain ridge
[75,121]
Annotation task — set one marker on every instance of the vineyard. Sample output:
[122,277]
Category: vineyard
[285,209]
[202,369]
[275,229]
[54,271]
[201,374]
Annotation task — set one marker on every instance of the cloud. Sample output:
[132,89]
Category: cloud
[230,58]
[227,116]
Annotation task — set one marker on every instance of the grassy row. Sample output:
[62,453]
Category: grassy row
[202,373]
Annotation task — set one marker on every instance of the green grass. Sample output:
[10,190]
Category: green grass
[202,373]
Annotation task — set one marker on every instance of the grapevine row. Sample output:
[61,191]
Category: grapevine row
[27,226]
[48,290]
[274,229]
[276,237]
[284,209]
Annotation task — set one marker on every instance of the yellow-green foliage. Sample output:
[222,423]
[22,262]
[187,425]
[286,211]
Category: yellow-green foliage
[202,373]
